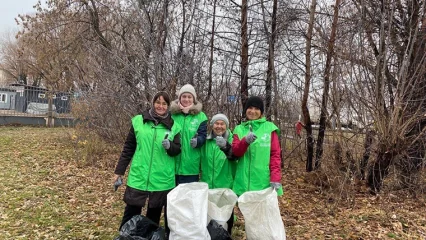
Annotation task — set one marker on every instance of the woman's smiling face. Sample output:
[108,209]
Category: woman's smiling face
[160,106]
[253,113]
[219,127]
[186,99]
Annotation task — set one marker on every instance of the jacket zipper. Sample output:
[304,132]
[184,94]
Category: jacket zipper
[213,167]
[180,155]
[250,162]
[152,152]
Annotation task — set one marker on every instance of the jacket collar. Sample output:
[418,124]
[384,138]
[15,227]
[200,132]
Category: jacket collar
[212,135]
[195,109]
[168,121]
[254,123]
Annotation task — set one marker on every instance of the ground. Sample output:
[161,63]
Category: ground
[49,191]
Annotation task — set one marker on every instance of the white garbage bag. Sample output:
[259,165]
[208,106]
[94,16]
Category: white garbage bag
[187,211]
[262,215]
[221,205]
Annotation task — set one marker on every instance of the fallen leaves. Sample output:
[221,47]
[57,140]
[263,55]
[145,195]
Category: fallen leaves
[47,194]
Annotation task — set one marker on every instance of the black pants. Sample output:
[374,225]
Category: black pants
[153,214]
[186,179]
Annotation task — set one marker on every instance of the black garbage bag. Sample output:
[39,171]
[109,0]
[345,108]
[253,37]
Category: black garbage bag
[217,232]
[141,228]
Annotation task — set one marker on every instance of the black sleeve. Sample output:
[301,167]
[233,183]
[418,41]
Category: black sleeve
[127,153]
[228,152]
[174,146]
[202,134]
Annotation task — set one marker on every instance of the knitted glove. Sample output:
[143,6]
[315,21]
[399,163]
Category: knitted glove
[166,143]
[117,183]
[193,142]
[220,141]
[250,137]
[275,185]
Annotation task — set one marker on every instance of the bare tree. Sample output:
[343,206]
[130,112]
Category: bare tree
[305,110]
[271,52]
[389,57]
[244,54]
[325,93]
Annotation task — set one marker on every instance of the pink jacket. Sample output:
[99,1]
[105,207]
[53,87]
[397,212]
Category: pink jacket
[239,148]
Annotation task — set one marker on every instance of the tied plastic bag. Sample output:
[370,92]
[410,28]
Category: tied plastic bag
[217,232]
[221,205]
[262,215]
[141,228]
[187,211]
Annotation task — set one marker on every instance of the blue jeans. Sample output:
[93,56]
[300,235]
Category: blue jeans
[186,179]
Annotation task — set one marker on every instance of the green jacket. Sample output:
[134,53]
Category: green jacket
[152,169]
[216,170]
[188,162]
[253,171]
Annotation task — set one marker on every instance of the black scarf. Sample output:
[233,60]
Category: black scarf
[150,115]
[156,117]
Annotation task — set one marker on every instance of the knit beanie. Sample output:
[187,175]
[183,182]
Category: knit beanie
[254,101]
[220,116]
[187,88]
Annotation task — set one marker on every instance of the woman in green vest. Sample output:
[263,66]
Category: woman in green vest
[151,145]
[187,112]
[256,144]
[216,170]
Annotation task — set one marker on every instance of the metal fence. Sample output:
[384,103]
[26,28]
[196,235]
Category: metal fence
[24,100]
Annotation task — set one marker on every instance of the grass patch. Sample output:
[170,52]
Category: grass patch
[57,185]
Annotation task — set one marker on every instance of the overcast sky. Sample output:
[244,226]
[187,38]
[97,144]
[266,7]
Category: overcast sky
[10,9]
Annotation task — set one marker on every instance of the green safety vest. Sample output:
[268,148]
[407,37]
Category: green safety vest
[216,170]
[151,169]
[188,162]
[253,171]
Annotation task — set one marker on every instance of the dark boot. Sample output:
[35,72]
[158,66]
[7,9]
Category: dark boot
[129,212]
[154,214]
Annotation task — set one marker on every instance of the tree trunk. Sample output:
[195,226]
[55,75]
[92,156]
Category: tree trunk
[305,110]
[209,89]
[413,160]
[324,102]
[94,18]
[244,55]
[271,66]
[175,79]
[379,171]
[49,109]
[367,150]
[161,43]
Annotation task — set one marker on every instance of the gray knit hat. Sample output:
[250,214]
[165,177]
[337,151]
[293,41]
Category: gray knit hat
[187,88]
[220,116]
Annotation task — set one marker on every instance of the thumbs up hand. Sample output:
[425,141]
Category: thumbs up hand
[221,142]
[166,142]
[250,137]
[193,141]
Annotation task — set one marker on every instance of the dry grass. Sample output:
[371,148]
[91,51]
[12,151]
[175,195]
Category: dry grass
[51,189]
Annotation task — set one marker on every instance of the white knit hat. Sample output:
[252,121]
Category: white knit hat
[187,88]
[220,116]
